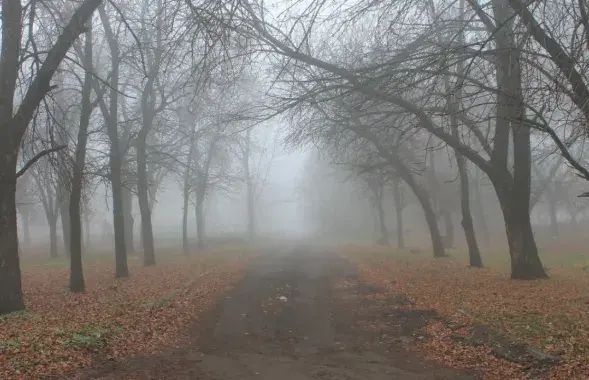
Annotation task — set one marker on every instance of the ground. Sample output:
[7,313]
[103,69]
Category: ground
[292,312]
[299,313]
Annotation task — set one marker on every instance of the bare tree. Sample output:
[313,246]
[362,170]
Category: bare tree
[14,125]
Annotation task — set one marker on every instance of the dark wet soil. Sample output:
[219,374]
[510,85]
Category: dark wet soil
[298,314]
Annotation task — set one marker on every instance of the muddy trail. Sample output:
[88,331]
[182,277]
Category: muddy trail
[298,314]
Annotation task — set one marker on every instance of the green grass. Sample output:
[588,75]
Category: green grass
[8,344]
[162,301]
[26,313]
[91,336]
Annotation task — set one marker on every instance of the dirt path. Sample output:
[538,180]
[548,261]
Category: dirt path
[298,314]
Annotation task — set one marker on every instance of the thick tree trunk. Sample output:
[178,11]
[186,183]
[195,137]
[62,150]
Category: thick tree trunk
[10,280]
[200,221]
[525,261]
[399,206]
[143,197]
[76,269]
[115,157]
[514,193]
[14,126]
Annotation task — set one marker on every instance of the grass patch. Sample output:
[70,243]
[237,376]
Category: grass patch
[9,344]
[26,313]
[162,301]
[92,336]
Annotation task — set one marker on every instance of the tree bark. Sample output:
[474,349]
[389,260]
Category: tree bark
[479,209]
[65,223]
[10,279]
[525,261]
[128,217]
[13,126]
[76,269]
[474,253]
[143,197]
[399,206]
[430,216]
[115,156]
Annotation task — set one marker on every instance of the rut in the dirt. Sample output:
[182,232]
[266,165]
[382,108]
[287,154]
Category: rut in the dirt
[297,315]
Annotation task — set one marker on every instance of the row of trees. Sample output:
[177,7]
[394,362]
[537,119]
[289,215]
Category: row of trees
[345,203]
[378,85]
[145,94]
[488,81]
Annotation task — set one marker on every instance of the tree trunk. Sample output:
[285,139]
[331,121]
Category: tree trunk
[474,253]
[115,157]
[65,223]
[53,252]
[76,269]
[185,245]
[430,216]
[479,209]
[14,126]
[143,197]
[10,280]
[128,218]
[26,229]
[553,210]
[399,206]
[200,221]
[448,228]
[525,262]
[186,195]
[384,232]
[514,193]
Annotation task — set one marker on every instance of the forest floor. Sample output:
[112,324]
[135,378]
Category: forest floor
[147,312]
[489,324]
[299,313]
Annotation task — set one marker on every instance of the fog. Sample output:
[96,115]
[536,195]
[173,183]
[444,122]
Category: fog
[184,124]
